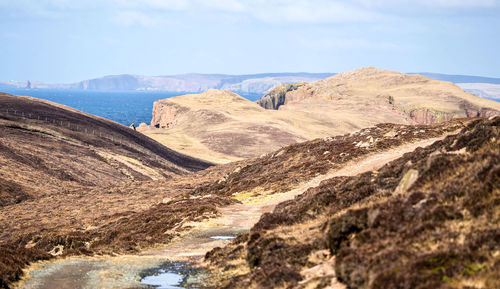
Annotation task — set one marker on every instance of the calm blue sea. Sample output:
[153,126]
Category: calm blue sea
[125,107]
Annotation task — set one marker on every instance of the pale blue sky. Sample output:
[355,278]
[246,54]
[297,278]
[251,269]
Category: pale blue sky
[71,40]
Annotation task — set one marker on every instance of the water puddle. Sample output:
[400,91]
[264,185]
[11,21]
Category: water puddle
[222,237]
[164,280]
[173,275]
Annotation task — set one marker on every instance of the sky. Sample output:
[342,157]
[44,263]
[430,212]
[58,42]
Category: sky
[63,41]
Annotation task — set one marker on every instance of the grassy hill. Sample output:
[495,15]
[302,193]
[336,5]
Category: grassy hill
[227,127]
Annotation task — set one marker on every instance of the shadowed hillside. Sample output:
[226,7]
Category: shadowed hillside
[65,171]
[44,146]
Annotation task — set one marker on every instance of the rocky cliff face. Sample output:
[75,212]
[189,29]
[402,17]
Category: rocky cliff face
[426,115]
[276,97]
[166,114]
[419,99]
[205,108]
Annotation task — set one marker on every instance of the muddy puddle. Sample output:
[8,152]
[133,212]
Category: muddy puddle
[222,237]
[115,272]
[171,275]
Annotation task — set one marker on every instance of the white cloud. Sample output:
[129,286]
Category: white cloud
[391,4]
[147,12]
[130,18]
[226,5]
[324,44]
[271,11]
[461,3]
[313,11]
[176,5]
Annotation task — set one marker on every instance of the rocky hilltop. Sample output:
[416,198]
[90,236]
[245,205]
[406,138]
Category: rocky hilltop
[415,97]
[226,127]
[220,123]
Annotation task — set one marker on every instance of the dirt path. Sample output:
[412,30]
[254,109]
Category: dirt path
[122,271]
[240,218]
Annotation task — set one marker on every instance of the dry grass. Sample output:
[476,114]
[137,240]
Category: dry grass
[220,126]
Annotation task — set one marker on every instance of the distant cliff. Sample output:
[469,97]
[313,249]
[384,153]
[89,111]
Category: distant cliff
[244,84]
[193,82]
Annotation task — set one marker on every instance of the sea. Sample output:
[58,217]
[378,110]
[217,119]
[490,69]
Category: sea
[125,107]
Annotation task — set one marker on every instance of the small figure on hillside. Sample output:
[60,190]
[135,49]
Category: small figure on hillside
[132,126]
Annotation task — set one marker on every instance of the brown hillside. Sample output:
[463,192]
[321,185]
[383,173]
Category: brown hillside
[67,178]
[45,147]
[129,217]
[429,219]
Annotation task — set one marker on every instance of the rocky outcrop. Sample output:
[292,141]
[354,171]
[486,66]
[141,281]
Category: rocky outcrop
[425,116]
[428,115]
[483,112]
[276,97]
[166,114]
